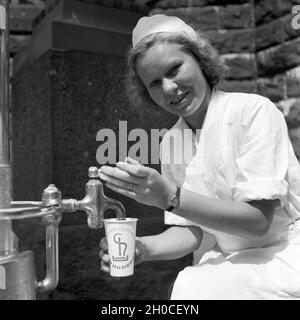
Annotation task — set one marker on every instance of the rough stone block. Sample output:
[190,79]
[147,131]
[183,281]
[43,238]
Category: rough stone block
[236,17]
[241,66]
[293,82]
[295,140]
[288,30]
[273,88]
[238,86]
[267,10]
[279,58]
[165,4]
[233,41]
[269,34]
[293,116]
[203,18]
[216,2]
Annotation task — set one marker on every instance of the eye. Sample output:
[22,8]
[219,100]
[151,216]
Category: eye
[154,83]
[174,69]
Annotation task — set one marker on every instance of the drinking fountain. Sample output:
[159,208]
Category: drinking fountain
[18,279]
[17,270]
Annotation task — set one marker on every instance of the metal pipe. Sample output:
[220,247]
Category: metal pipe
[52,262]
[8,241]
[4,84]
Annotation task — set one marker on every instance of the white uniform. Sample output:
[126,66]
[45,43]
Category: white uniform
[243,154]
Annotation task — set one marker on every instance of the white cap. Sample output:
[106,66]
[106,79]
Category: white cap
[161,23]
[2,18]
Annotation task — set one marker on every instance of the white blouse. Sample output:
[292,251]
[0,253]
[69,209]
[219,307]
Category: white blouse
[242,153]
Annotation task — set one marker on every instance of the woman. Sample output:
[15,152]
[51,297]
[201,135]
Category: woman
[241,183]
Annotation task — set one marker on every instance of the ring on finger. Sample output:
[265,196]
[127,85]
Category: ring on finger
[131,187]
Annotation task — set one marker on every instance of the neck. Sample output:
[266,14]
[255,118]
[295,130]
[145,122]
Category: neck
[195,120]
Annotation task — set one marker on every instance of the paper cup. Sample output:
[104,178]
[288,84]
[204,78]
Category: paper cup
[120,235]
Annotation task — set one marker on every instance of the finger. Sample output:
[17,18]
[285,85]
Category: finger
[118,183]
[105,267]
[133,161]
[102,253]
[133,169]
[117,173]
[103,244]
[105,258]
[125,192]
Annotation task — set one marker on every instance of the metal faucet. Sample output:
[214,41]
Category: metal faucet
[94,203]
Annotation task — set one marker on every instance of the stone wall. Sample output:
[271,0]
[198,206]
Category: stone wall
[258,43]
[278,60]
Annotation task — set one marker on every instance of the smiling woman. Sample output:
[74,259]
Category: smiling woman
[240,185]
[195,48]
[173,79]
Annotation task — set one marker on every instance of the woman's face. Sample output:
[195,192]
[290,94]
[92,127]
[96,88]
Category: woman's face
[173,78]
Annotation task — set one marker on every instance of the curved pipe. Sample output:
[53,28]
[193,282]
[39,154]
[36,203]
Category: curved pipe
[116,206]
[52,261]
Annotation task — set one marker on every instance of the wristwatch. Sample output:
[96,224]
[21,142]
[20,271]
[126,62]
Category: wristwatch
[174,200]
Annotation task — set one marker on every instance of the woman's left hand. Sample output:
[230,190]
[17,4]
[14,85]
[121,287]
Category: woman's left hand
[143,184]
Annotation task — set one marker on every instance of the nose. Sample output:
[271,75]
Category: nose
[169,86]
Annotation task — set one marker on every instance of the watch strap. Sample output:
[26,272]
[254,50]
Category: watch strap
[177,195]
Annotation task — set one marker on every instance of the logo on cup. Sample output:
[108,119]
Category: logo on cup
[122,246]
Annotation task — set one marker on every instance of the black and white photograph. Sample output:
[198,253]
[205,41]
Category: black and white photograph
[149,151]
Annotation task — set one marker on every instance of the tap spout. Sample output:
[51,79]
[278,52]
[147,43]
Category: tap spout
[116,206]
[50,282]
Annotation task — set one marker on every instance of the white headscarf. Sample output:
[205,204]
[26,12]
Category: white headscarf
[161,23]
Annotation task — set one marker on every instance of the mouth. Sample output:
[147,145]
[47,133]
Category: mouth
[179,98]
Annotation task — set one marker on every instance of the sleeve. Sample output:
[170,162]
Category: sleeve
[263,155]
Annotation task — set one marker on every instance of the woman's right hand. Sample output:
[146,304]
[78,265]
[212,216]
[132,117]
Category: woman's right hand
[140,253]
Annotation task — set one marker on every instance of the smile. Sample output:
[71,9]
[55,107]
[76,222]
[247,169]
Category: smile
[180,98]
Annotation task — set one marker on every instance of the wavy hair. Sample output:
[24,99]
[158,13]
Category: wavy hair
[209,61]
